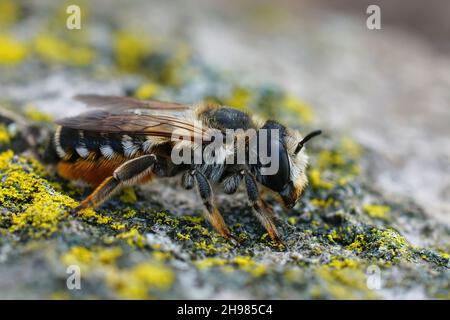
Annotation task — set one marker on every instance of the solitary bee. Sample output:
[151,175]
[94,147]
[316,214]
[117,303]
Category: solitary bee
[124,142]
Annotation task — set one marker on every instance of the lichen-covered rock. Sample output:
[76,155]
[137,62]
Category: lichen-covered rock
[344,240]
[335,242]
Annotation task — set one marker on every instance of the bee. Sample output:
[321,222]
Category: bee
[124,142]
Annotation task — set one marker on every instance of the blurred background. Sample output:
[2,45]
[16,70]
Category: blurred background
[389,89]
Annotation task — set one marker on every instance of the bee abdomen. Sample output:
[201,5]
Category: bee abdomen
[71,145]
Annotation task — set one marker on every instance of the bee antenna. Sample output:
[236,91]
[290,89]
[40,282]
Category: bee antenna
[308,137]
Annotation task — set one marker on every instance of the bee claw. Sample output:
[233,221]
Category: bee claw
[276,240]
[281,243]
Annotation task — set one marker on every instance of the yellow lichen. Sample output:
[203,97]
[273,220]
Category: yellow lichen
[342,283]
[164,218]
[162,256]
[133,238]
[118,226]
[324,203]
[12,51]
[387,244]
[138,281]
[33,114]
[129,213]
[109,255]
[350,148]
[90,259]
[60,295]
[243,263]
[248,264]
[130,283]
[240,98]
[376,211]
[318,182]
[56,50]
[337,263]
[34,207]
[91,215]
[329,159]
[130,50]
[210,262]
[209,248]
[9,13]
[77,256]
[445,255]
[193,219]
[5,137]
[333,236]
[182,236]
[128,195]
[147,90]
[304,111]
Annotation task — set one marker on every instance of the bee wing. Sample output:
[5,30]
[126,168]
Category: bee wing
[136,122]
[118,103]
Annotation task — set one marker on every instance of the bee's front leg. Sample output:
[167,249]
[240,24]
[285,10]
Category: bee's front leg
[212,213]
[127,174]
[260,207]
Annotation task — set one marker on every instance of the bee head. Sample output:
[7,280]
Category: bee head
[290,178]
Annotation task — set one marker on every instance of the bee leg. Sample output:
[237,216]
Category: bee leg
[260,207]
[268,207]
[212,214]
[127,174]
[231,183]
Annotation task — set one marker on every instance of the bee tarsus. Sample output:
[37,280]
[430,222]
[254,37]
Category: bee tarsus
[262,211]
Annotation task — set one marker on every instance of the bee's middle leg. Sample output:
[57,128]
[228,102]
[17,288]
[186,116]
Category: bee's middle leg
[212,214]
[128,174]
[261,209]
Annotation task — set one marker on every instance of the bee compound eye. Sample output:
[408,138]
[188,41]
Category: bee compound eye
[280,179]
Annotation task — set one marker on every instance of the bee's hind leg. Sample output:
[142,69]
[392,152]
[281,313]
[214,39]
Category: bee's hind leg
[261,209]
[128,174]
[212,214]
